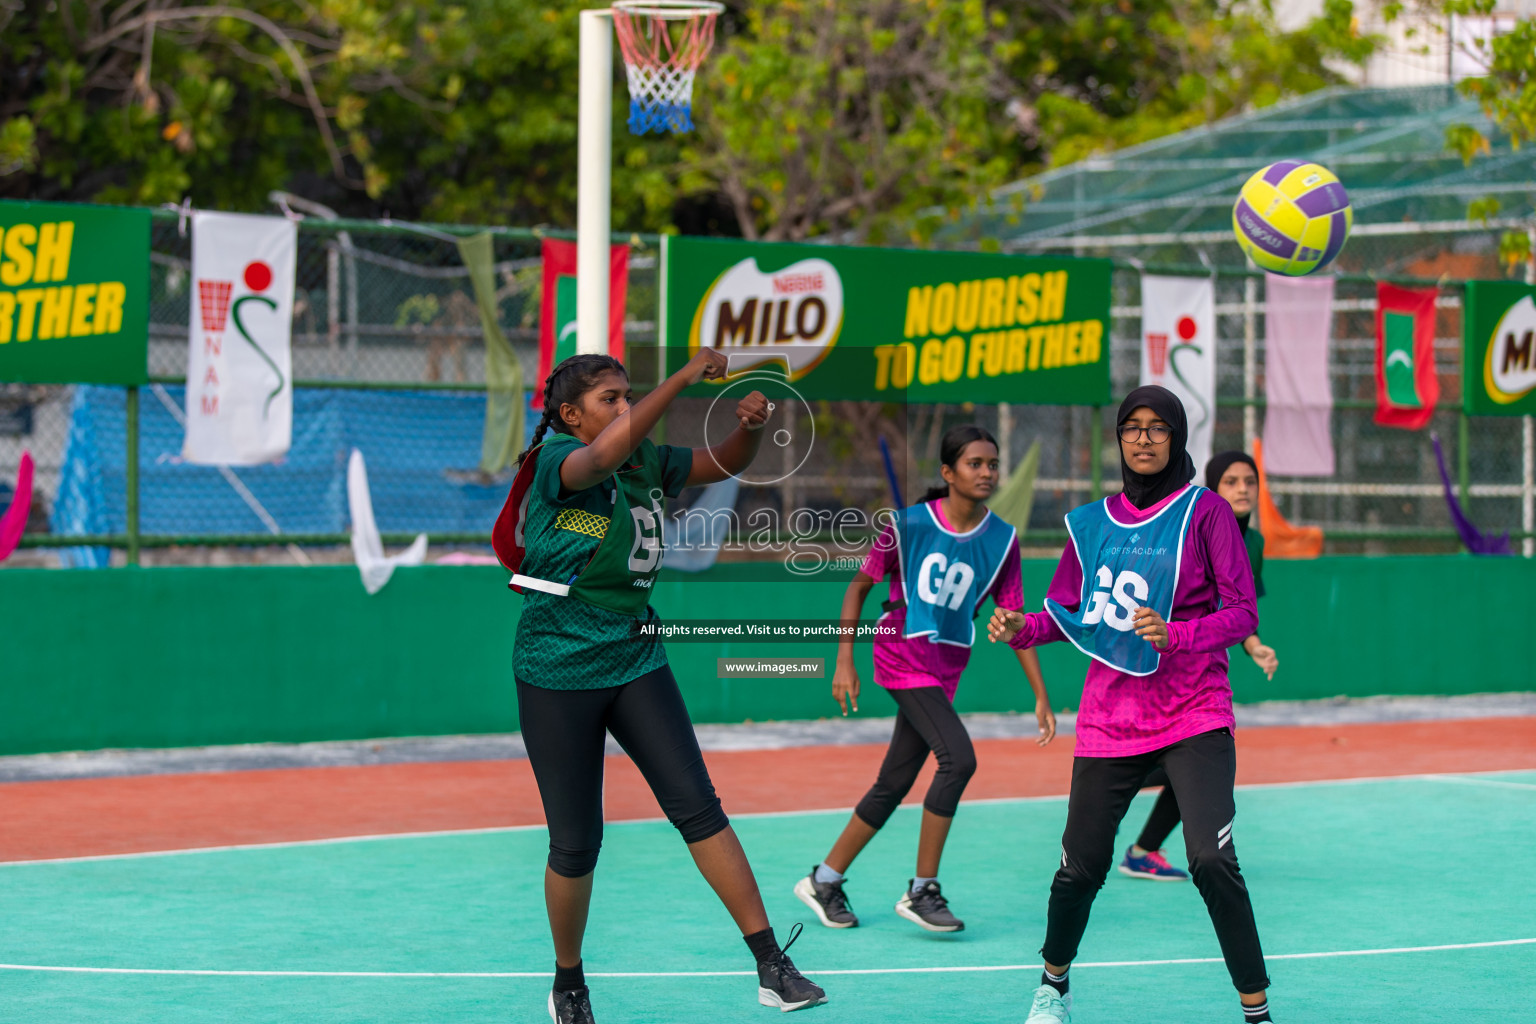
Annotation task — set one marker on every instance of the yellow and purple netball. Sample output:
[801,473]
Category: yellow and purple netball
[1292,217]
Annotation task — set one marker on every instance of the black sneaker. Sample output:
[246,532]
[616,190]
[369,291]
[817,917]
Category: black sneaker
[828,900]
[572,1007]
[780,984]
[928,908]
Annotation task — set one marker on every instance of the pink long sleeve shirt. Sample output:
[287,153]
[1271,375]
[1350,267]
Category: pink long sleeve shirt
[904,664]
[1213,608]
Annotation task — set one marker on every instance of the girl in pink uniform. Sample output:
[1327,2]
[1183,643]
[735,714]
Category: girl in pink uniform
[1155,587]
[943,557]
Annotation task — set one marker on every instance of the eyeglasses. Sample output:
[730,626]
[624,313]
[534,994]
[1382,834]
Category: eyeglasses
[1130,433]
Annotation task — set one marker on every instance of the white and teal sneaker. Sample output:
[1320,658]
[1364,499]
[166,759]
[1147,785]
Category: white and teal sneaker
[1050,1007]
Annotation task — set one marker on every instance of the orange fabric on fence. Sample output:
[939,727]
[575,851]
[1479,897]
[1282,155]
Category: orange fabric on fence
[1281,539]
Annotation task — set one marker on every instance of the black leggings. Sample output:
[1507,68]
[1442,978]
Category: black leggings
[563,732]
[1165,813]
[1202,768]
[925,720]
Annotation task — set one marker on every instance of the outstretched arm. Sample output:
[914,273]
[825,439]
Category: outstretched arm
[596,462]
[736,452]
[1022,630]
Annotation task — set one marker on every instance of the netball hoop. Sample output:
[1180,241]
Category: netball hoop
[663,42]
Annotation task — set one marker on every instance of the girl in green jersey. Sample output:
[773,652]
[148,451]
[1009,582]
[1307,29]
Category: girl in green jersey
[581,531]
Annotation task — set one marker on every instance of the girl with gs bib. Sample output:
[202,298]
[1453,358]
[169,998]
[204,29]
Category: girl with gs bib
[581,533]
[1154,587]
[1235,477]
[944,556]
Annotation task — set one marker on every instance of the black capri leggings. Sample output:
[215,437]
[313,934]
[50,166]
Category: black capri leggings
[1202,769]
[925,720]
[563,732]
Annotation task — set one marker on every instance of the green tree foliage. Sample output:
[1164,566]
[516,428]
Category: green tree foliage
[878,119]
[1507,93]
[1103,75]
[143,102]
[829,116]
[883,118]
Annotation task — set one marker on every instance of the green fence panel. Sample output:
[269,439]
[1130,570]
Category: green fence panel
[190,657]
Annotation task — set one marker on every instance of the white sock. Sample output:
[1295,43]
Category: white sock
[826,875]
[918,883]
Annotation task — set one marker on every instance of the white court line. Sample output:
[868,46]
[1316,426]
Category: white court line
[1469,777]
[745,974]
[1468,781]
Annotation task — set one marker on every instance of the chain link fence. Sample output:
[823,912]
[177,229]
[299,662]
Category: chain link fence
[387,342]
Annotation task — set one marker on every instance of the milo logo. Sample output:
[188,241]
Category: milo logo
[1509,368]
[790,317]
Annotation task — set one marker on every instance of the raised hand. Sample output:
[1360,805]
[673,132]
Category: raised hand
[706,364]
[752,412]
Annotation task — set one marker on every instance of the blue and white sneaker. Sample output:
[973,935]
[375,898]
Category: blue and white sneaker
[1153,865]
[1050,1007]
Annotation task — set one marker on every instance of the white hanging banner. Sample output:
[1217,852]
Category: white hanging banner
[1178,351]
[239,361]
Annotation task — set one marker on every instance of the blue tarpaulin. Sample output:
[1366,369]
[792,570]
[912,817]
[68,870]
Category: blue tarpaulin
[422,449]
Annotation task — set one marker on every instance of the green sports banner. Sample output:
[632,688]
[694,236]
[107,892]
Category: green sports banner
[1499,349]
[74,294]
[892,324]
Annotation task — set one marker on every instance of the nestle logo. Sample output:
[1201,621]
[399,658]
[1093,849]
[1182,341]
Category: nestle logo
[789,284]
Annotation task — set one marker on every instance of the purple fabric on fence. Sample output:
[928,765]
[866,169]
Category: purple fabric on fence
[1298,418]
[14,523]
[1477,542]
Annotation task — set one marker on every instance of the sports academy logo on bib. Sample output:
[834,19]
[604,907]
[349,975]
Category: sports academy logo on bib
[1125,566]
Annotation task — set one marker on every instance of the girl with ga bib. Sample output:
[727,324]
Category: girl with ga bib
[581,533]
[1154,587]
[944,556]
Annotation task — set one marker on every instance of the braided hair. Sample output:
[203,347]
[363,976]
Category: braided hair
[565,385]
[950,449]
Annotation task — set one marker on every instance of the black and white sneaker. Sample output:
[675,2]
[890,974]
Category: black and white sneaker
[780,984]
[828,900]
[571,1007]
[928,907]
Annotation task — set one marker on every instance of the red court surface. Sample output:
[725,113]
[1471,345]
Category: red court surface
[88,817]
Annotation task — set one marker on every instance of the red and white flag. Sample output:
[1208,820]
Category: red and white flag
[239,360]
[1178,351]
[1406,386]
[560,262]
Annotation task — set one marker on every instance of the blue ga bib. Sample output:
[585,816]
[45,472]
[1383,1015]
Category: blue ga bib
[1125,566]
[945,575]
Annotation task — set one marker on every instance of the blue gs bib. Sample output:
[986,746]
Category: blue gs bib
[945,575]
[1125,566]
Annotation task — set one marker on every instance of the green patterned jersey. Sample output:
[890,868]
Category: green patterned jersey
[1253,540]
[564,643]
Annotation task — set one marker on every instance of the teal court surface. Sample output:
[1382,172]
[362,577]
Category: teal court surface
[1399,901]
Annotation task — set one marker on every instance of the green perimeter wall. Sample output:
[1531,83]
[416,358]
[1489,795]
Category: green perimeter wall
[188,657]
